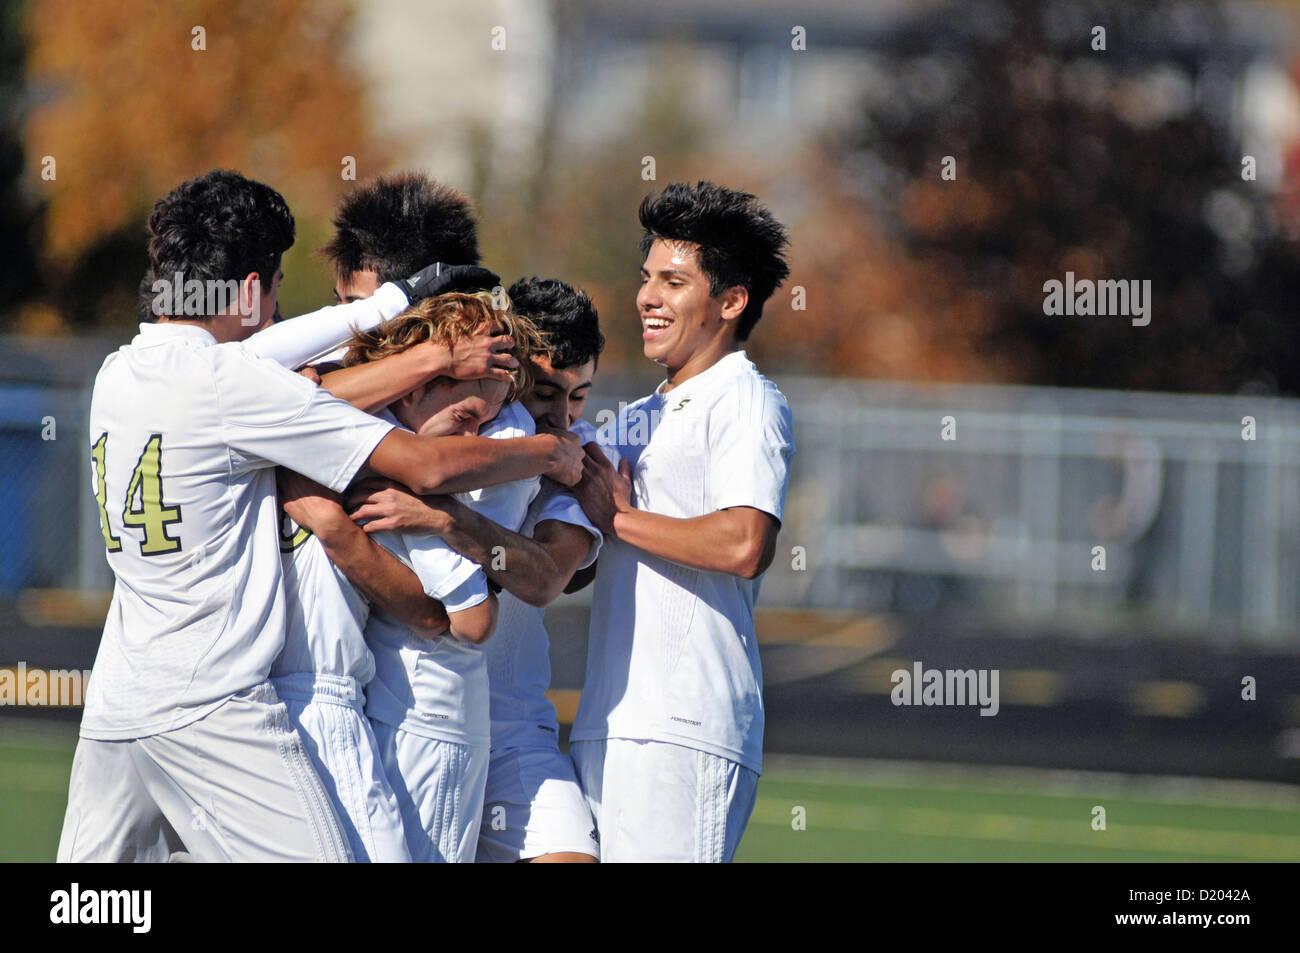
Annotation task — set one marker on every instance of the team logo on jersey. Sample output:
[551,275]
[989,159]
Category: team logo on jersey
[594,835]
[681,403]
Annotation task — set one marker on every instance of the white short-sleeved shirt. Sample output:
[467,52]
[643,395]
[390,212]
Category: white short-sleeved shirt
[189,432]
[325,613]
[519,664]
[672,653]
[438,688]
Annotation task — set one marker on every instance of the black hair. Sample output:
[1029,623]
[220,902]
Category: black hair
[396,225]
[218,227]
[564,314]
[739,241]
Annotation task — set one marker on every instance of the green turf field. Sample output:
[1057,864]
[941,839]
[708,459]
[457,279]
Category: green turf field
[859,811]
[893,812]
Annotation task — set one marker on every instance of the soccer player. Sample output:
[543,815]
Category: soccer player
[534,809]
[186,427]
[668,736]
[429,700]
[332,578]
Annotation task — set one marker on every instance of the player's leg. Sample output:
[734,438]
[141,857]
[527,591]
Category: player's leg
[560,826]
[467,817]
[111,816]
[439,786]
[588,759]
[667,803]
[534,810]
[238,785]
[327,713]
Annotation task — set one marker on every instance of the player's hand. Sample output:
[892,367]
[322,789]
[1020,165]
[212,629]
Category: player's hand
[309,504]
[485,354]
[565,460]
[603,491]
[311,375]
[439,279]
[380,504]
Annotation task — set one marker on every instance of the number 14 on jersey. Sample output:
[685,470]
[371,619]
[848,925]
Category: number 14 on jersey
[143,506]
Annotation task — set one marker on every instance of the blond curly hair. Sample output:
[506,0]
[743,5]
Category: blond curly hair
[448,319]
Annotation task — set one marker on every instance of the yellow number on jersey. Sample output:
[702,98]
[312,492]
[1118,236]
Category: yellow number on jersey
[152,514]
[101,493]
[292,535]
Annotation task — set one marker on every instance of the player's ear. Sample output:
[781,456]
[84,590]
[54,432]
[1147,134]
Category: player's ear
[734,301]
[250,293]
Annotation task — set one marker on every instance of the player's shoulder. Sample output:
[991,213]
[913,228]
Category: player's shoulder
[748,394]
[245,380]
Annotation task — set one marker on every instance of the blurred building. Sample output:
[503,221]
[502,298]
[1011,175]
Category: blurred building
[487,94]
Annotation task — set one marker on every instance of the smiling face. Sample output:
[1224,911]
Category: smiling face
[558,397]
[446,407]
[683,326]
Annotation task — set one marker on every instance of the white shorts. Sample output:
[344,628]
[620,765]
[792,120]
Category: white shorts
[533,806]
[439,788]
[236,785]
[661,802]
[328,711]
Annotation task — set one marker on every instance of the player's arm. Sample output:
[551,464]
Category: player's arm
[373,570]
[739,540]
[315,337]
[431,465]
[477,623]
[374,386]
[311,337]
[582,579]
[459,583]
[533,570]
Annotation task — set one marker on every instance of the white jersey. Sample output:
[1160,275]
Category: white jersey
[326,614]
[518,656]
[438,688]
[672,654]
[185,434]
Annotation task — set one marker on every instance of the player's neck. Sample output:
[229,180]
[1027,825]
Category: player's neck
[223,330]
[699,362]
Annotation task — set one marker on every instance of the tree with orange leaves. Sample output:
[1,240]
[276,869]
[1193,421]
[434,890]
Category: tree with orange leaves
[130,99]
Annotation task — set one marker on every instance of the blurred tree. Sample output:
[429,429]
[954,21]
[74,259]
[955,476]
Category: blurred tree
[578,218]
[18,207]
[1122,163]
[132,98]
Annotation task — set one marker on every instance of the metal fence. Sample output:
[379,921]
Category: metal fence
[1117,512]
[1114,512]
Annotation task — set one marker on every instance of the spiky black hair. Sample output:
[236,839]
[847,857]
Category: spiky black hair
[564,314]
[739,241]
[395,225]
